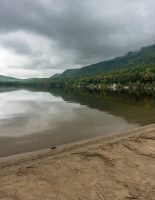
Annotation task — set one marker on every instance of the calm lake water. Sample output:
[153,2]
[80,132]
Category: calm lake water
[32,120]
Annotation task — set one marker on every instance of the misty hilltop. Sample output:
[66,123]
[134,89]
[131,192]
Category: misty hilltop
[145,55]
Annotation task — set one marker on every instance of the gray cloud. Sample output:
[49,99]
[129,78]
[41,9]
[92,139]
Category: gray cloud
[48,36]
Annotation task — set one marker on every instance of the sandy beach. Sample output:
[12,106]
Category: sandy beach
[115,167]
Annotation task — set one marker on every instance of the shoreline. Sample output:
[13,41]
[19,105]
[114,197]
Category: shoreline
[118,166]
[51,151]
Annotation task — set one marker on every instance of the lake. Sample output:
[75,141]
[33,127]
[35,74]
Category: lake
[32,120]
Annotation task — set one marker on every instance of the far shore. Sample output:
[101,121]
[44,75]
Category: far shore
[120,166]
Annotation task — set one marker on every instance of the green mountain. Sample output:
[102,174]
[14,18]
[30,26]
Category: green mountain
[8,79]
[145,55]
[55,76]
[135,70]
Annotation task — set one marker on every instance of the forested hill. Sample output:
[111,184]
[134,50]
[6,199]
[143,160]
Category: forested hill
[133,72]
[8,79]
[145,55]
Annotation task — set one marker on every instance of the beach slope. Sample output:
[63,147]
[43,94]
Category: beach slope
[116,167]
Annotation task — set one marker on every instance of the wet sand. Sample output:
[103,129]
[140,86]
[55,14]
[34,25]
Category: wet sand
[115,167]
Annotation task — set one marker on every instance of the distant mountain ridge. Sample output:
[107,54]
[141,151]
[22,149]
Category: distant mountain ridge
[145,55]
[8,78]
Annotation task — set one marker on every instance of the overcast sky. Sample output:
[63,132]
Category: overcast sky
[43,37]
